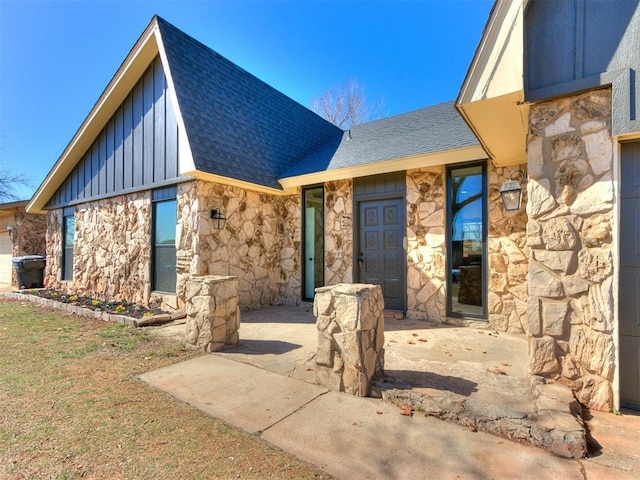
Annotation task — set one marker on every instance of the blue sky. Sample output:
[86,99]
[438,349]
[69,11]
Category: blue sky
[56,57]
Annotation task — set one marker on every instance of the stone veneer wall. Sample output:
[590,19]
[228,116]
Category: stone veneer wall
[53,250]
[426,244]
[508,256]
[31,234]
[111,254]
[338,232]
[570,307]
[426,251]
[259,244]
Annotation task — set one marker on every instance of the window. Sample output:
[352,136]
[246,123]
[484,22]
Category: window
[313,199]
[68,236]
[466,195]
[163,255]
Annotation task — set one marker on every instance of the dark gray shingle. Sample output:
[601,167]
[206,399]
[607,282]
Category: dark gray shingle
[237,125]
[428,130]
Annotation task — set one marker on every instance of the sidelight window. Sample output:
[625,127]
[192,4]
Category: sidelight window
[466,243]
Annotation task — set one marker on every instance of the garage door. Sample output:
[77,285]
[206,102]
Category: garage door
[5,258]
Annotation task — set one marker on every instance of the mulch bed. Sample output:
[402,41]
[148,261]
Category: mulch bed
[119,308]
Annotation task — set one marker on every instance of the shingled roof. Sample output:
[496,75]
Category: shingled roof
[237,125]
[433,129]
[234,127]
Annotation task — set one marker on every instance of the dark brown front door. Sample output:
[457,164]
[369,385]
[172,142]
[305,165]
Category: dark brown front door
[629,313]
[381,248]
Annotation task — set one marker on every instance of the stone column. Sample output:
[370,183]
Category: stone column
[350,324]
[213,315]
[571,279]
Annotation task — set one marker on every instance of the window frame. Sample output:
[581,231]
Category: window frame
[304,192]
[162,196]
[68,213]
[449,240]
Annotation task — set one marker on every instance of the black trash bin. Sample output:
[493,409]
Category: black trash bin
[29,271]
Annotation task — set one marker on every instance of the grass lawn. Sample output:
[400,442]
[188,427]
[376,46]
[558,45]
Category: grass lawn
[72,407]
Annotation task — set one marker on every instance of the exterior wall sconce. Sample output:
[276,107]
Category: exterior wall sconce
[10,232]
[511,192]
[219,218]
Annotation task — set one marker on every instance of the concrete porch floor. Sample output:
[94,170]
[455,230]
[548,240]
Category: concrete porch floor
[480,364]
[475,363]
[483,366]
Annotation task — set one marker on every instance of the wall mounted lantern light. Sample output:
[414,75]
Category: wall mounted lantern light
[511,192]
[219,217]
[10,232]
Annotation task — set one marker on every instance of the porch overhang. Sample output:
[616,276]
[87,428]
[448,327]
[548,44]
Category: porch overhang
[457,155]
[491,99]
[500,123]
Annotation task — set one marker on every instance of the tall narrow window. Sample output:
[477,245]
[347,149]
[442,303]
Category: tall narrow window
[164,240]
[466,241]
[68,236]
[313,240]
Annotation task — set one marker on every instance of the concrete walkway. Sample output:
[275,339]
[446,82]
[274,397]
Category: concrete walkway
[348,437]
[353,437]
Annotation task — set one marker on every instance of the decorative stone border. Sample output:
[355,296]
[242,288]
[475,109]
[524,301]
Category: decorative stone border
[87,312]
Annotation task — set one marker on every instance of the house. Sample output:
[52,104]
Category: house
[188,165]
[553,86]
[21,234]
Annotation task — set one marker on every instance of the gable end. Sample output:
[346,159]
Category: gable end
[137,149]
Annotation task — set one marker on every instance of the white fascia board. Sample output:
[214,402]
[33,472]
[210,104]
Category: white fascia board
[185,156]
[464,154]
[131,70]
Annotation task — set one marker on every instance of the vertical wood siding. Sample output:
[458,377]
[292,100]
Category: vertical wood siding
[137,148]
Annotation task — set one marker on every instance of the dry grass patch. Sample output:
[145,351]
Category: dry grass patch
[73,408]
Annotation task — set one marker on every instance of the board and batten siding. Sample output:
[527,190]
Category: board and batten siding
[137,149]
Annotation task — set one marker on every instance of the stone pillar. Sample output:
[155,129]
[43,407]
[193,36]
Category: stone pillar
[350,324]
[213,315]
[570,308]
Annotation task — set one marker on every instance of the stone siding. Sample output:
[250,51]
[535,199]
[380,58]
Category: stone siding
[112,249]
[508,257]
[426,244]
[31,234]
[338,232]
[53,252]
[259,243]
[570,281]
[427,265]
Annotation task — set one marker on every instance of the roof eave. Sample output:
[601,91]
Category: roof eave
[215,178]
[444,157]
[130,71]
[491,98]
[13,205]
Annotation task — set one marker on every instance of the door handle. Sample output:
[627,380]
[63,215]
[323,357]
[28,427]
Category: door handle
[360,259]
